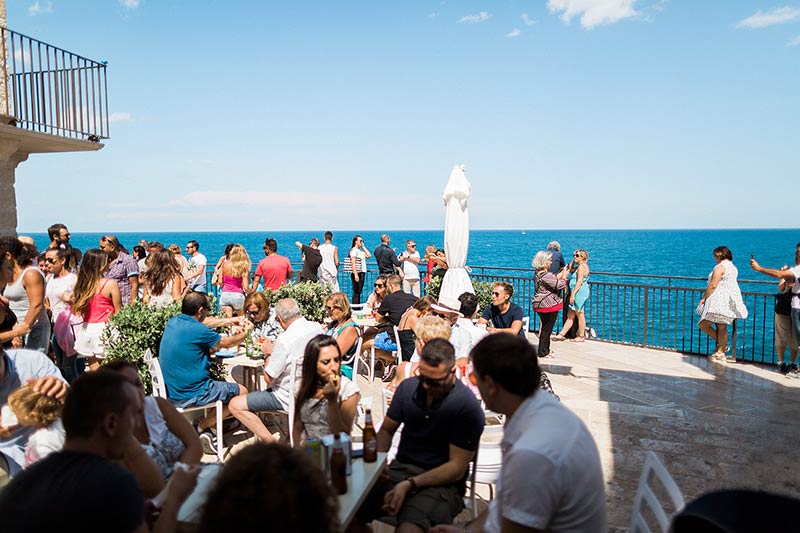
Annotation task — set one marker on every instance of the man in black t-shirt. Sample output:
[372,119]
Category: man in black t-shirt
[503,315]
[443,422]
[386,257]
[79,488]
[395,303]
[312,259]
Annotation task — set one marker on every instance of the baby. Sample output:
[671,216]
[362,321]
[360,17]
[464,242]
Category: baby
[26,407]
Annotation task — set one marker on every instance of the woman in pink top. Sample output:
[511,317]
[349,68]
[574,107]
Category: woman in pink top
[235,281]
[95,299]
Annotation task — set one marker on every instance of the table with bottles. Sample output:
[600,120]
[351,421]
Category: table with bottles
[361,480]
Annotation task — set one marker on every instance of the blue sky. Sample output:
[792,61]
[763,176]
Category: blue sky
[257,115]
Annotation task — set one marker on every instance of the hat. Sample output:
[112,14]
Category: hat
[448,304]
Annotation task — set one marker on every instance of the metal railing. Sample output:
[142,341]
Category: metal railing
[51,90]
[659,316]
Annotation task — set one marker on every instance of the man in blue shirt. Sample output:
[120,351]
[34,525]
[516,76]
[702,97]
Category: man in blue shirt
[185,355]
[503,316]
[17,368]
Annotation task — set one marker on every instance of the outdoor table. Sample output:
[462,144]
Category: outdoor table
[359,483]
[251,369]
[366,322]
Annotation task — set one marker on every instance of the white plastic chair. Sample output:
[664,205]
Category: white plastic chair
[292,387]
[397,353]
[526,324]
[488,463]
[357,308]
[645,497]
[160,390]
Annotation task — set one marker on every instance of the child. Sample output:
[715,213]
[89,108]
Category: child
[44,414]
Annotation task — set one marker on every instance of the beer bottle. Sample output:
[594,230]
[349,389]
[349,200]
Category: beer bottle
[338,467]
[370,439]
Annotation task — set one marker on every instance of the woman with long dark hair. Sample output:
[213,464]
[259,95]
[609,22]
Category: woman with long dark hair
[326,402]
[358,266]
[25,291]
[95,299]
[163,282]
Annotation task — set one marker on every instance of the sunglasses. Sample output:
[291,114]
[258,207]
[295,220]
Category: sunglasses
[431,382]
[330,308]
[49,260]
[496,294]
[379,285]
[252,313]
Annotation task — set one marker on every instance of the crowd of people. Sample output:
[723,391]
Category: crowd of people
[71,420]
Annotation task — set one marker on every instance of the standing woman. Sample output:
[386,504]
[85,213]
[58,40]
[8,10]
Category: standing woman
[25,294]
[60,284]
[579,294]
[162,281]
[721,303]
[547,300]
[183,264]
[326,402]
[358,266]
[235,281]
[95,299]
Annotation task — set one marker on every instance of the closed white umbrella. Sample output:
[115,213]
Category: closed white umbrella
[456,235]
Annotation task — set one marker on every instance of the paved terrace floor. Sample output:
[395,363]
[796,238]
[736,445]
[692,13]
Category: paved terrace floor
[713,426]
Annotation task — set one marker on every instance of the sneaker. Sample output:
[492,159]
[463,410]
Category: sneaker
[231,425]
[389,371]
[783,368]
[209,442]
[794,374]
[793,367]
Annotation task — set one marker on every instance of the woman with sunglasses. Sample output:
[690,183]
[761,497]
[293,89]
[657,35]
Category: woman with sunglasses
[579,294]
[95,299]
[326,401]
[343,329]
[24,291]
[376,296]
[265,328]
[60,284]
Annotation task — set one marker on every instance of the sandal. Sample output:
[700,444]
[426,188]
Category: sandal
[548,356]
[717,357]
[577,339]
[557,337]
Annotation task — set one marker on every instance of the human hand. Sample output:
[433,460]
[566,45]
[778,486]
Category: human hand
[266,347]
[21,329]
[393,500]
[572,299]
[182,483]
[16,342]
[49,386]
[754,264]
[331,389]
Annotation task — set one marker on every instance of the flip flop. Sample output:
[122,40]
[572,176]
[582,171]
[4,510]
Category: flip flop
[717,357]
[548,356]
[577,339]
[557,337]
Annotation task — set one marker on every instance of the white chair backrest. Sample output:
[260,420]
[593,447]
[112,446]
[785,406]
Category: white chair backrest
[526,324]
[358,307]
[349,359]
[646,497]
[294,385]
[148,354]
[157,377]
[399,347]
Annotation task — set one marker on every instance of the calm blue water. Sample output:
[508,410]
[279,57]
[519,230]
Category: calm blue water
[657,252]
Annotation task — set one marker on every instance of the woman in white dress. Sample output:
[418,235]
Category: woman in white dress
[721,303]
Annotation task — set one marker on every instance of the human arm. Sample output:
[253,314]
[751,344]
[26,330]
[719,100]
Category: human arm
[716,277]
[134,280]
[53,386]
[177,287]
[347,339]
[143,468]
[182,429]
[784,274]
[336,256]
[444,474]
[386,432]
[229,341]
[256,280]
[297,430]
[20,329]
[340,416]
[217,322]
[33,283]
[111,290]
[180,486]
[580,275]
[366,252]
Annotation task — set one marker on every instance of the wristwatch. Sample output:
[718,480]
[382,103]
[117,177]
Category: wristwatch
[413,483]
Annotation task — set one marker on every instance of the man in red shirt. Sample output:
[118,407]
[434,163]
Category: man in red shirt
[274,269]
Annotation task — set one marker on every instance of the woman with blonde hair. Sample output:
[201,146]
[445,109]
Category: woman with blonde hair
[95,299]
[183,264]
[163,283]
[427,328]
[579,294]
[235,281]
[343,329]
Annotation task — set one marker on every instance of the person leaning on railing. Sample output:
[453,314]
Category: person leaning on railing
[547,300]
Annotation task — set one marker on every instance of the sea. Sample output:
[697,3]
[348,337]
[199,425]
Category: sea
[653,252]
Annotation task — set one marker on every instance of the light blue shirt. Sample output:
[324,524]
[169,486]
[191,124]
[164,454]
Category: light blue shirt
[20,366]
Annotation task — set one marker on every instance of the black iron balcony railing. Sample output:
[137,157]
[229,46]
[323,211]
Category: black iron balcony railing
[626,309]
[51,90]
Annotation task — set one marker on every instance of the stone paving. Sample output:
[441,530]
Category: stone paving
[713,426]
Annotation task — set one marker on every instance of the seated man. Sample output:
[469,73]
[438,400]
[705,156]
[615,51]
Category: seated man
[460,338]
[17,368]
[503,316]
[469,306]
[552,479]
[290,346]
[80,488]
[443,422]
[185,359]
[392,307]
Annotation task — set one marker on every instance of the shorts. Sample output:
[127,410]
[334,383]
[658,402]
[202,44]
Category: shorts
[232,299]
[426,508]
[263,400]
[216,391]
[784,331]
[87,340]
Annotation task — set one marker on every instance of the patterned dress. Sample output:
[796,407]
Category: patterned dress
[725,304]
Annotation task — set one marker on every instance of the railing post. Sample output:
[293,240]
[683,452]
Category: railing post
[646,308]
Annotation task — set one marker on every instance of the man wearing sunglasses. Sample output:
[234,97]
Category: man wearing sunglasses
[443,422]
[551,479]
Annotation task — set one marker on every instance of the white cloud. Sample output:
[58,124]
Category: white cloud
[119,116]
[38,8]
[130,4]
[762,19]
[284,200]
[527,20]
[794,42]
[593,12]
[513,33]
[483,16]
[432,15]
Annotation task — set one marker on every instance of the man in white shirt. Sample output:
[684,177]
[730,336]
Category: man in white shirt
[196,279]
[551,478]
[288,347]
[329,269]
[469,306]
[460,338]
[410,260]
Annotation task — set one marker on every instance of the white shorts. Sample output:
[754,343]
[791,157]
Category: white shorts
[87,340]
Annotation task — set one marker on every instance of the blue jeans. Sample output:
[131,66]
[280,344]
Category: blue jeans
[71,367]
[796,322]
